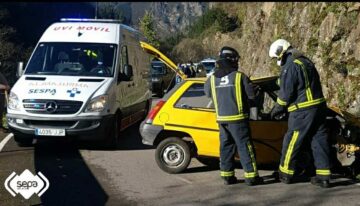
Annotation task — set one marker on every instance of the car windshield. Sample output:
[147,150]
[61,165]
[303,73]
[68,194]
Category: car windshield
[209,66]
[157,69]
[80,59]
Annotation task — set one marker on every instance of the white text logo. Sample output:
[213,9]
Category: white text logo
[26,184]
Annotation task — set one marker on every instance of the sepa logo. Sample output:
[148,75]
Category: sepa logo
[26,184]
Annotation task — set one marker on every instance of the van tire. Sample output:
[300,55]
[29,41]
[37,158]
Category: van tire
[112,137]
[23,141]
[173,155]
[211,162]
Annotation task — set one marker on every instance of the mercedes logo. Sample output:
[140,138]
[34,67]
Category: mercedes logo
[51,107]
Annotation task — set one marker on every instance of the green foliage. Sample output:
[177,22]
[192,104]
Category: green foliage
[215,17]
[147,28]
[11,49]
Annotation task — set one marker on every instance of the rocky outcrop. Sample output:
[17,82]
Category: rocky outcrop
[329,34]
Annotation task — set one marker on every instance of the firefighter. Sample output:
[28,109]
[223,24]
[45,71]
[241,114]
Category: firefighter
[301,95]
[230,91]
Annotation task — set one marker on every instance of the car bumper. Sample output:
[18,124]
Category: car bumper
[89,128]
[149,132]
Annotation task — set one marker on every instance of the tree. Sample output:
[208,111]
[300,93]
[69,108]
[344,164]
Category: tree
[110,10]
[11,49]
[147,28]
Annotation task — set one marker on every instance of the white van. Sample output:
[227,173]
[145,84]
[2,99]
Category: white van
[86,78]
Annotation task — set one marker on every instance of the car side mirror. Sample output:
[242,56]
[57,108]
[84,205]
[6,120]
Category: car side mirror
[128,71]
[20,69]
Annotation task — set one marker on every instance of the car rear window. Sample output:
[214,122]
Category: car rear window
[194,97]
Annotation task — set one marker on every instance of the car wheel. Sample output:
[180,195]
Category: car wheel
[210,162]
[173,155]
[112,138]
[23,141]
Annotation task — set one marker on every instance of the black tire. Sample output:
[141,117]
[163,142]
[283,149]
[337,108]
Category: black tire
[112,137]
[173,155]
[23,141]
[211,162]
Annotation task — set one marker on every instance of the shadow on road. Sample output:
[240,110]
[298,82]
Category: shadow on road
[130,139]
[71,181]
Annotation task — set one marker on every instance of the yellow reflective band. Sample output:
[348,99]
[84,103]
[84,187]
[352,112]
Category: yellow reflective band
[238,91]
[307,84]
[306,104]
[252,156]
[227,174]
[213,91]
[281,102]
[250,174]
[233,117]
[286,171]
[323,172]
[289,152]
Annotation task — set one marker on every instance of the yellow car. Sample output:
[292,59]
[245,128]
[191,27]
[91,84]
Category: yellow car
[182,125]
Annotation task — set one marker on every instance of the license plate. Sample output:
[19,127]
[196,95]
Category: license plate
[50,132]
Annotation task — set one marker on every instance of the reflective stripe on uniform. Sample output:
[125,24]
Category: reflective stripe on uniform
[281,102]
[323,172]
[238,116]
[227,173]
[238,92]
[252,157]
[307,83]
[250,174]
[213,93]
[285,168]
[306,104]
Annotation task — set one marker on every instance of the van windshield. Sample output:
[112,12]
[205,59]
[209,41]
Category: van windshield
[74,59]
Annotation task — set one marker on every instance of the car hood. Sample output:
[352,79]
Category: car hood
[349,118]
[153,51]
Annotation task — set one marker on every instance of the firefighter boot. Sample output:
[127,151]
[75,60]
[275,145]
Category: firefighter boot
[318,182]
[254,181]
[230,180]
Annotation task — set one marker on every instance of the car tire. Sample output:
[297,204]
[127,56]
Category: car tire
[211,162]
[173,155]
[23,141]
[112,137]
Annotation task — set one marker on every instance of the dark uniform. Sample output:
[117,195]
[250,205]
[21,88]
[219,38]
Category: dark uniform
[301,93]
[4,86]
[230,91]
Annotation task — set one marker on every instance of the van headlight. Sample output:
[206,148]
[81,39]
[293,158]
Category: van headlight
[97,104]
[13,103]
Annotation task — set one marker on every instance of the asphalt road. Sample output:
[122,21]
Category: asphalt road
[82,174]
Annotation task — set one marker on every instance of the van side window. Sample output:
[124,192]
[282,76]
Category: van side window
[194,97]
[124,57]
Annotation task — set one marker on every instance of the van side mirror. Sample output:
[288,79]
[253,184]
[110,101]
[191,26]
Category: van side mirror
[20,69]
[128,71]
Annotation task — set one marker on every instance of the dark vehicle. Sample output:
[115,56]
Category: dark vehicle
[161,77]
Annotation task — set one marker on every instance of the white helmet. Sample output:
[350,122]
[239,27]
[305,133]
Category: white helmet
[278,48]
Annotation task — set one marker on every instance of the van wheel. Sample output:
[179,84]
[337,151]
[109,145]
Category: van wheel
[173,155]
[210,162]
[23,141]
[112,139]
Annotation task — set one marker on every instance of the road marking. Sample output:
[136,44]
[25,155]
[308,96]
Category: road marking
[5,140]
[183,179]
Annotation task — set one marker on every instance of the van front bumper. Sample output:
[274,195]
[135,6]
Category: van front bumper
[88,128]
[149,133]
